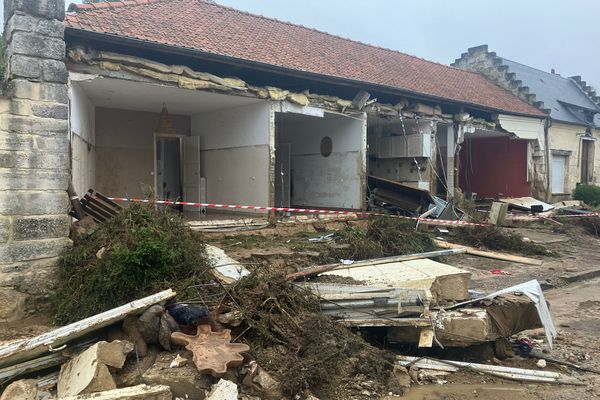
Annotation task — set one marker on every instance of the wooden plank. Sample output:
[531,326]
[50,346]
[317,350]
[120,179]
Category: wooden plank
[28,349]
[371,322]
[38,364]
[375,261]
[490,254]
[88,204]
[101,206]
[106,199]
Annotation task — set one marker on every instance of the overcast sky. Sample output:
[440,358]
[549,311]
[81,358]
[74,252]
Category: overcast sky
[544,34]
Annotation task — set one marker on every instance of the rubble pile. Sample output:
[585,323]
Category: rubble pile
[232,331]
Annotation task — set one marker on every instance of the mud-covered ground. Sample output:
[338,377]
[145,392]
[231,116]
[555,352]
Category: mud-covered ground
[575,306]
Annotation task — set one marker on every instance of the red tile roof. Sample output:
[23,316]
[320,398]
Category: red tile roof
[212,28]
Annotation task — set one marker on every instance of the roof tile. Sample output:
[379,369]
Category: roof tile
[213,28]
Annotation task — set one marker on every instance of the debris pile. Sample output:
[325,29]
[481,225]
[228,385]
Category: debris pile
[140,250]
[231,330]
[495,238]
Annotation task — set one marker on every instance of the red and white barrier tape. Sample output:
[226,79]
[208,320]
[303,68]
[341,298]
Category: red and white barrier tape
[296,210]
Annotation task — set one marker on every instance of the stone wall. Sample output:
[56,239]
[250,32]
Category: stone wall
[34,152]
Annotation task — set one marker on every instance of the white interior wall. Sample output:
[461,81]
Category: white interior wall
[82,116]
[335,181]
[125,150]
[235,154]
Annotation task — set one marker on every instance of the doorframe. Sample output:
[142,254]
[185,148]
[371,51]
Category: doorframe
[180,137]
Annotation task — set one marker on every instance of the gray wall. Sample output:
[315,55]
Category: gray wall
[335,181]
[235,154]
[124,150]
[34,152]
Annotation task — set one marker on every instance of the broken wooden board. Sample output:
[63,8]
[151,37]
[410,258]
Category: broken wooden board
[446,283]
[28,349]
[38,364]
[519,374]
[225,269]
[139,392]
[490,254]
[374,261]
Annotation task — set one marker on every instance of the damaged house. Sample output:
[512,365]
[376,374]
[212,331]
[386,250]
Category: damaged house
[221,106]
[261,118]
[574,117]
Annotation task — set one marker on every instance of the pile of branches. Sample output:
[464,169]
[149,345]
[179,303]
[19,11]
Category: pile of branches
[140,251]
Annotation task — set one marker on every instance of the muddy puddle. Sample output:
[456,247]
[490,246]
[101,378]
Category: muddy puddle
[467,392]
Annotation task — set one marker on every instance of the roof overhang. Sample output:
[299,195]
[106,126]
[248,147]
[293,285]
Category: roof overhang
[195,53]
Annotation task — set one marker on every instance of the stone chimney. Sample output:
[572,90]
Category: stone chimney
[34,151]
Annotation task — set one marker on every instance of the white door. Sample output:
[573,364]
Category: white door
[558,173]
[191,173]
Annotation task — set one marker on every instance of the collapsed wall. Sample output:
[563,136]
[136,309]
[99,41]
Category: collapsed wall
[34,151]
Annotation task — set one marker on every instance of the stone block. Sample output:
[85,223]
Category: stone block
[24,202]
[36,45]
[34,159]
[32,249]
[42,91]
[12,305]
[41,227]
[22,179]
[29,23]
[54,144]
[223,390]
[34,126]
[51,110]
[21,66]
[14,142]
[48,9]
[36,278]
[24,389]
[4,229]
[88,372]
[40,109]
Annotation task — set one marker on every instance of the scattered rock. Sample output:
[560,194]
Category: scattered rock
[541,364]
[100,253]
[149,323]
[25,389]
[401,376]
[132,330]
[83,228]
[88,372]
[231,318]
[262,383]
[185,382]
[223,390]
[134,368]
[178,362]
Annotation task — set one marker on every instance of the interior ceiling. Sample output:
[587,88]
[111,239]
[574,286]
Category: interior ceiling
[139,96]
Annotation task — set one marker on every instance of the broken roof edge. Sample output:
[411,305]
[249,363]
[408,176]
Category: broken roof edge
[186,78]
[304,74]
